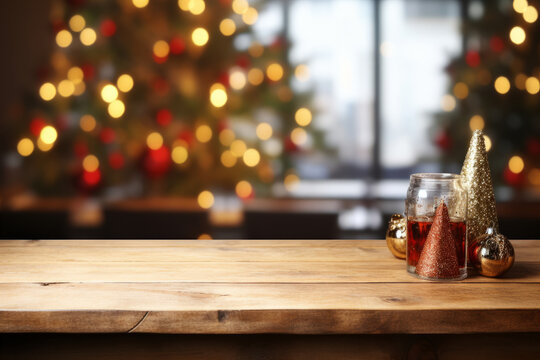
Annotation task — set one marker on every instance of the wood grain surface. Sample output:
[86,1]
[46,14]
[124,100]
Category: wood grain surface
[249,287]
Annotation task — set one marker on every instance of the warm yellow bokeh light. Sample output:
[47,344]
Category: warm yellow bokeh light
[461,90]
[237,80]
[205,199]
[530,14]
[264,131]
[251,157]
[226,137]
[487,142]
[196,7]
[303,117]
[140,3]
[532,85]
[240,6]
[238,148]
[161,48]
[179,154]
[228,159]
[302,72]
[87,123]
[299,136]
[90,163]
[255,76]
[291,181]
[204,236]
[227,27]
[218,95]
[77,23]
[274,72]
[124,83]
[25,147]
[75,74]
[79,88]
[154,140]
[66,88]
[534,176]
[200,36]
[109,93]
[64,38]
[256,49]
[502,85]
[520,5]
[250,16]
[520,80]
[47,91]
[116,109]
[184,4]
[203,133]
[88,36]
[476,123]
[448,102]
[43,146]
[516,164]
[48,135]
[517,35]
[243,189]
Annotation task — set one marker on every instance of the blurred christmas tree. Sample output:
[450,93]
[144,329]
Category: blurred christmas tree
[168,97]
[495,87]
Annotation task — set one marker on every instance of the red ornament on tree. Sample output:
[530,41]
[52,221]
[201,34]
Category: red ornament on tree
[472,58]
[443,140]
[186,136]
[164,117]
[496,44]
[88,71]
[36,125]
[80,149]
[107,135]
[513,179]
[157,162]
[290,146]
[243,61]
[116,160]
[177,45]
[107,28]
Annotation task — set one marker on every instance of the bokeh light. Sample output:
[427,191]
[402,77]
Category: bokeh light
[251,157]
[179,154]
[264,131]
[250,16]
[461,90]
[116,109]
[517,35]
[255,76]
[530,14]
[47,91]
[87,123]
[204,236]
[196,7]
[516,164]
[90,163]
[228,159]
[240,6]
[66,88]
[476,123]
[532,85]
[487,142]
[184,4]
[25,147]
[88,36]
[75,74]
[291,181]
[302,72]
[303,116]
[154,140]
[64,38]
[205,199]
[238,148]
[256,49]
[227,27]
[140,3]
[274,72]
[237,79]
[109,93]
[77,23]
[502,85]
[226,137]
[203,133]
[199,36]
[79,88]
[43,146]
[448,102]
[48,135]
[243,189]
[124,83]
[520,5]
[218,95]
[299,136]
[534,176]
[520,80]
[161,48]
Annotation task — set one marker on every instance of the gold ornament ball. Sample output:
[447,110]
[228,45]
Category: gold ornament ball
[396,236]
[492,254]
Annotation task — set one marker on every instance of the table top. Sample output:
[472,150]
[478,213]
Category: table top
[252,286]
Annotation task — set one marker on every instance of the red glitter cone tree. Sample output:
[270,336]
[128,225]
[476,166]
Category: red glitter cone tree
[438,259]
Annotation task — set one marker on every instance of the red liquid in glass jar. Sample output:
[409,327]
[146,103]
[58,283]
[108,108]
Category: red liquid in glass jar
[417,233]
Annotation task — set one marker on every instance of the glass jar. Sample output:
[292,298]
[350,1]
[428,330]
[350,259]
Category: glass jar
[427,192]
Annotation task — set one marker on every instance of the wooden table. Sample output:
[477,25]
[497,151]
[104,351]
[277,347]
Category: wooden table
[354,288]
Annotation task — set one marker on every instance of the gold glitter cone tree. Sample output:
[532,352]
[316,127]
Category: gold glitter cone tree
[481,211]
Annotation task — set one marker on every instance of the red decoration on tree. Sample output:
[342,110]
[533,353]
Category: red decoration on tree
[107,28]
[290,146]
[513,179]
[88,71]
[161,86]
[36,125]
[91,179]
[159,60]
[177,45]
[443,140]
[164,117]
[243,61]
[472,58]
[438,259]
[156,163]
[107,135]
[116,160]
[80,149]
[224,79]
[496,44]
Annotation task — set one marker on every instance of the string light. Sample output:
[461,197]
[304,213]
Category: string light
[250,16]
[243,189]
[116,109]
[227,27]
[291,181]
[299,136]
[205,199]
[238,148]
[302,72]
[274,72]
[47,91]
[203,133]
[461,90]
[66,88]
[502,85]
[199,36]
[251,157]
[43,146]
[179,154]
[140,3]
[154,140]
[448,102]
[516,164]
[218,95]
[64,38]
[75,74]
[87,123]
[487,142]
[517,35]
[303,116]
[77,23]
[226,137]
[48,135]
[184,4]
[476,123]
[240,6]
[161,48]
[264,131]
[532,85]
[25,147]
[255,76]
[90,163]
[530,14]
[88,36]
[196,7]
[228,159]
[109,93]
[124,83]
[237,80]
[520,5]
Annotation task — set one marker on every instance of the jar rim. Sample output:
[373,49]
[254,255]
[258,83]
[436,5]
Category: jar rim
[435,176]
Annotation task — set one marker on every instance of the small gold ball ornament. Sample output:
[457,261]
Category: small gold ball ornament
[396,236]
[492,254]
